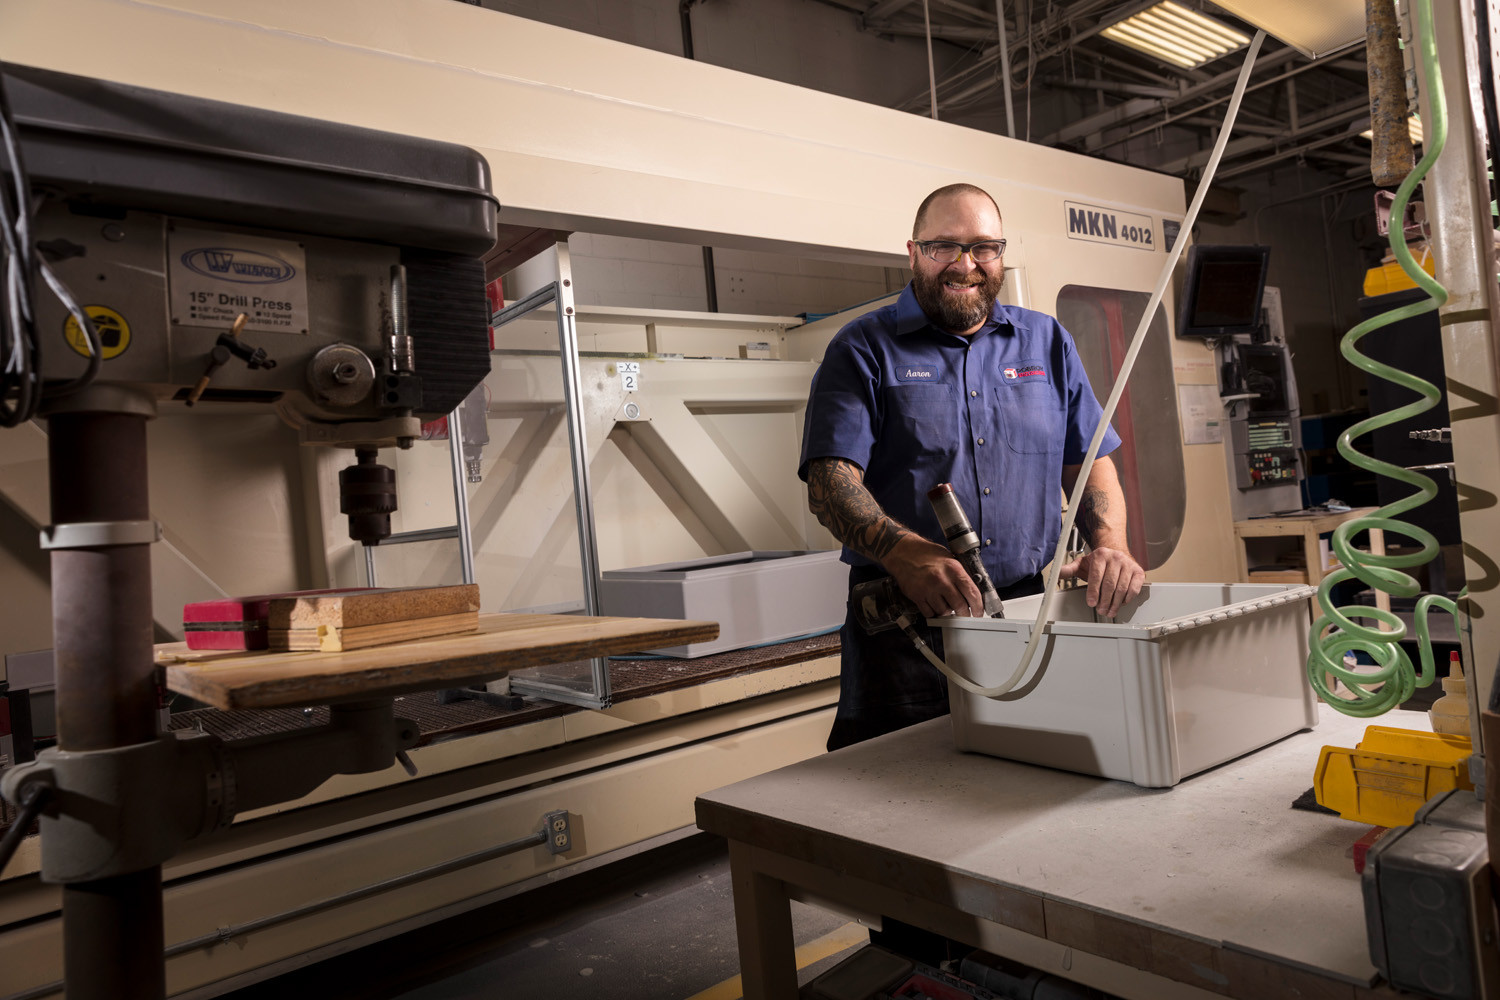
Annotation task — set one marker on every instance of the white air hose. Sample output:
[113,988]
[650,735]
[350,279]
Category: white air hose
[1114,400]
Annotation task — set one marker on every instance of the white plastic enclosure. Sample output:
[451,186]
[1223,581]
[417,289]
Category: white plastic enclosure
[756,597]
[1188,676]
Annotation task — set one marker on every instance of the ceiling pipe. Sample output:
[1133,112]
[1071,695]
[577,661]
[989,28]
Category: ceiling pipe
[710,282]
[1010,114]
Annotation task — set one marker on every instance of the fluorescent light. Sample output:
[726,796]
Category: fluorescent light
[1177,34]
[1313,28]
[1413,128]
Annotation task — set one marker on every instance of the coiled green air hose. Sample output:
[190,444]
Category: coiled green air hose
[1395,679]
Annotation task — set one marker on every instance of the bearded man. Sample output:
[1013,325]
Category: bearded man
[947,386]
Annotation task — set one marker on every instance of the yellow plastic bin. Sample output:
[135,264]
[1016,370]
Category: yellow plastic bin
[1390,277]
[1391,774]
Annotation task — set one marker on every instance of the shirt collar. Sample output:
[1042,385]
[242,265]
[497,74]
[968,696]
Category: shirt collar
[910,318]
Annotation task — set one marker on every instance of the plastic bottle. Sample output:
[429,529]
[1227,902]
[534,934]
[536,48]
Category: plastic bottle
[1450,713]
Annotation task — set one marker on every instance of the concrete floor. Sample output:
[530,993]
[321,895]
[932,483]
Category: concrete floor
[659,925]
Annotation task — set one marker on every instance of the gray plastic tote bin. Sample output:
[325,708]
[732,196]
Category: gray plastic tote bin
[1189,675]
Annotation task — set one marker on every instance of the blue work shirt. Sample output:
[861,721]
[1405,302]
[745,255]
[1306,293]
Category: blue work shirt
[997,414]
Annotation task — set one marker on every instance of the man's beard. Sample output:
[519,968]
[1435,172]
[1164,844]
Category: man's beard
[958,311]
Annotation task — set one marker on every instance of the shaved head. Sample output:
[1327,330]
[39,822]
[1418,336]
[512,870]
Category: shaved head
[949,191]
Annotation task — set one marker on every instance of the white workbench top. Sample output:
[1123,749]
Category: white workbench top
[1221,858]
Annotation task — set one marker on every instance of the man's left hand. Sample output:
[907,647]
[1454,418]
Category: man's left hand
[1114,577]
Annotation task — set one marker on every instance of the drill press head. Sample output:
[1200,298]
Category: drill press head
[228,253]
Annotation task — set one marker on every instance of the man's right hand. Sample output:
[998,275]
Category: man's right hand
[928,574]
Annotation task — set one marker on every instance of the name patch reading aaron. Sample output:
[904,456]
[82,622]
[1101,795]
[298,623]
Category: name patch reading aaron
[916,373]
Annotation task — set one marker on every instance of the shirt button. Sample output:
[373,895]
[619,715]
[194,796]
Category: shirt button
[973,392]
[986,491]
[981,440]
[986,541]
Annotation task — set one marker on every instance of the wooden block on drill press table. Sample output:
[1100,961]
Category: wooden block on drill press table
[356,608]
[358,619]
[333,638]
[503,642]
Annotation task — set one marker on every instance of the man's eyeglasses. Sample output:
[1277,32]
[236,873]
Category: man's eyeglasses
[946,251]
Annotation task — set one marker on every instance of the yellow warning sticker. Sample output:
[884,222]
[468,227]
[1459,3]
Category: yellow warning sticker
[113,330]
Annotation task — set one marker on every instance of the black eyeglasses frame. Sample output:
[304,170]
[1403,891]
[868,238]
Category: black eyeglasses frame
[963,248]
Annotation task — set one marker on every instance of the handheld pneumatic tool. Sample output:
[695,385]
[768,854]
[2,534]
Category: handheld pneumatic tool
[880,604]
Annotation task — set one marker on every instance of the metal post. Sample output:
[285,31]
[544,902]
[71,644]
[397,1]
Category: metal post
[1010,115]
[106,685]
[583,494]
[560,295]
[460,494]
[1456,194]
[931,73]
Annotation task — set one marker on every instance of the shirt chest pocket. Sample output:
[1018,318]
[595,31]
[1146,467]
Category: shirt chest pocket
[1031,417]
[920,418]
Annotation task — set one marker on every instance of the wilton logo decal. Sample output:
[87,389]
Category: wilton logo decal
[245,267]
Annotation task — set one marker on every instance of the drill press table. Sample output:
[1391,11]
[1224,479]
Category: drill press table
[1213,888]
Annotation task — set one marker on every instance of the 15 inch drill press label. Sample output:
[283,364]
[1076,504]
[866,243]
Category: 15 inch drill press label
[215,276]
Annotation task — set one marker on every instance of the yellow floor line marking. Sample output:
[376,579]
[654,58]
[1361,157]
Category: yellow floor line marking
[815,950]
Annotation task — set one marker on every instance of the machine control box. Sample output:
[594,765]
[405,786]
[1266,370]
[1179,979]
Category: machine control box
[1270,458]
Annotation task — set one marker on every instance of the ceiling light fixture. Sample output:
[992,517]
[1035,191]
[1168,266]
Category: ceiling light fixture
[1177,35]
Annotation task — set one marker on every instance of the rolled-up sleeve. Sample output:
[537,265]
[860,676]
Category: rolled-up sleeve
[1084,409]
[843,418]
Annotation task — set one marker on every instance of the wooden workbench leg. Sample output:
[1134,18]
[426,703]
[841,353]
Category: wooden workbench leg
[1241,558]
[1313,556]
[1377,548]
[763,922]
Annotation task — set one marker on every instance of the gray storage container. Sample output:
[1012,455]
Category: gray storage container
[1189,675]
[756,597]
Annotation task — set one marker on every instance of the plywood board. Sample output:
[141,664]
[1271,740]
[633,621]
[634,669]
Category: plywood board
[503,643]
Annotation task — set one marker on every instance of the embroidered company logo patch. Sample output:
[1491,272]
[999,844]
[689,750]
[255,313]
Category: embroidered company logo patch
[1026,371]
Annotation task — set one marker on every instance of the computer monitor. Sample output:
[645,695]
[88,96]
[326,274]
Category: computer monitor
[1222,291]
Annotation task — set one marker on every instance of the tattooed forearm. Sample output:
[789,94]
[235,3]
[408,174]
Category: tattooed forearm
[838,498]
[1093,514]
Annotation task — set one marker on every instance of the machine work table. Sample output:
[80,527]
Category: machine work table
[503,642]
[1215,887]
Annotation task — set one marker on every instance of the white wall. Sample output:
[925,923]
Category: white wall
[802,42]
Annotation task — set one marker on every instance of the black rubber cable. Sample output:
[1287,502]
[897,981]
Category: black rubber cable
[33,800]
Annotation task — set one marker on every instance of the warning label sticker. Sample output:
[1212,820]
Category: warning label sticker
[113,330]
[212,277]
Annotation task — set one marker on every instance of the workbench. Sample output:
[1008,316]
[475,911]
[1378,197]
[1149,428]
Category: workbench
[1213,888]
[1307,527]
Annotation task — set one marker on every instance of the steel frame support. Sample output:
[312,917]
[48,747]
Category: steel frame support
[560,292]
[1456,193]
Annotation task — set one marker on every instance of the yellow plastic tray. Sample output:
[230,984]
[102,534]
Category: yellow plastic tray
[1391,774]
[1390,277]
